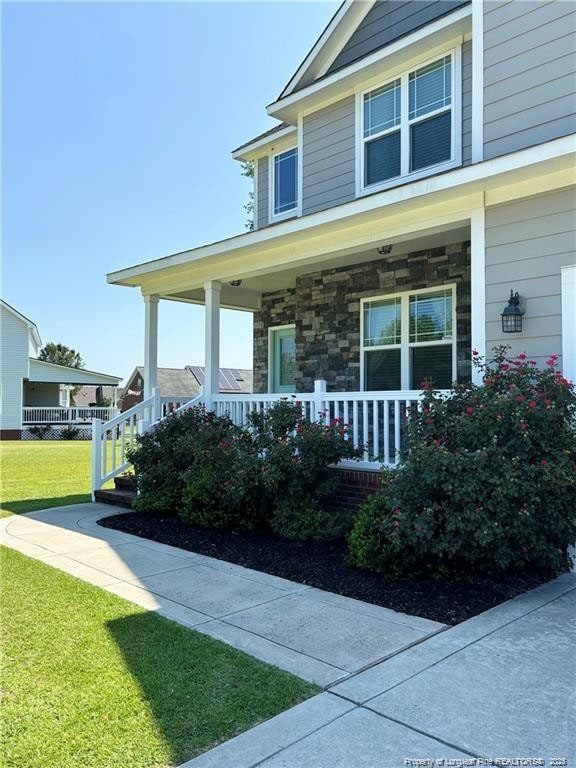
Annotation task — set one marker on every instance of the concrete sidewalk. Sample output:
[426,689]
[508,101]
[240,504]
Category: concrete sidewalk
[317,635]
[399,689]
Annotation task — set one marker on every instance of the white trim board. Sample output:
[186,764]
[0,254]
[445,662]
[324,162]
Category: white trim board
[568,280]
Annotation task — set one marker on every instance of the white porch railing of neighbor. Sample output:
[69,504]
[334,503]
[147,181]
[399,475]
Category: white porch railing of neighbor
[111,440]
[63,415]
[374,419]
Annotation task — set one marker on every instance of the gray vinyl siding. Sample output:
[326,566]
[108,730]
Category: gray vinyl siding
[529,73]
[262,193]
[527,243]
[389,20]
[328,156]
[467,102]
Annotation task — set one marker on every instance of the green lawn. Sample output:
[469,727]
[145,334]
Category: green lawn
[92,681]
[43,473]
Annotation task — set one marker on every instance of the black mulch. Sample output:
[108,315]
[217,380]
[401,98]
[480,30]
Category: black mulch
[322,565]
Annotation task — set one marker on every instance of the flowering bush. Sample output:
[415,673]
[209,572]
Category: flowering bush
[487,482]
[297,474]
[276,472]
[199,465]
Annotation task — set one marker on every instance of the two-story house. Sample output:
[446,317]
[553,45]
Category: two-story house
[421,170]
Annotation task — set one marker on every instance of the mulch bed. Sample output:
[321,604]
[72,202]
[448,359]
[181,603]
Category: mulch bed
[322,565]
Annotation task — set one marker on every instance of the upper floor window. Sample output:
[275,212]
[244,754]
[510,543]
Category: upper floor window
[409,124]
[285,182]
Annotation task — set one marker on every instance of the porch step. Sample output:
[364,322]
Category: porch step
[126,482]
[118,497]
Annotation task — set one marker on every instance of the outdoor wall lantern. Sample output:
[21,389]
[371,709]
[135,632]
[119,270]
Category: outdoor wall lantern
[384,250]
[512,315]
[235,283]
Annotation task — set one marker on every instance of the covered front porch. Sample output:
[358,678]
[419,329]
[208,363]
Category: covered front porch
[348,331]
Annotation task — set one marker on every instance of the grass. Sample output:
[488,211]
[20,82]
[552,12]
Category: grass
[92,680]
[43,473]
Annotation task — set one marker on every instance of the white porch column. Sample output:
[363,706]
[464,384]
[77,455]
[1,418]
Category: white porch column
[212,341]
[478,286]
[150,344]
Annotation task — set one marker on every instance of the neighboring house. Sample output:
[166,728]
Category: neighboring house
[34,392]
[183,384]
[92,396]
[422,169]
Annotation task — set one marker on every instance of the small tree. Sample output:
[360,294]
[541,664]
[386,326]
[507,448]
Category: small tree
[248,171]
[61,355]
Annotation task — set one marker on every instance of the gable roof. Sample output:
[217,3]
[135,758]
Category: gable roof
[333,38]
[360,28]
[32,327]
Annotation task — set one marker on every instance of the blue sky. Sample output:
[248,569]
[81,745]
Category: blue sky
[118,122]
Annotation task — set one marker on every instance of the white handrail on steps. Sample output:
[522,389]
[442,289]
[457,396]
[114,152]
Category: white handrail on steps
[111,440]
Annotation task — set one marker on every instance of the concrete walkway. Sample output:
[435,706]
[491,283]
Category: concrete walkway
[401,690]
[317,635]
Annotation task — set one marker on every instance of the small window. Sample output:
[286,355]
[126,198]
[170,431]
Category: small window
[382,109]
[285,181]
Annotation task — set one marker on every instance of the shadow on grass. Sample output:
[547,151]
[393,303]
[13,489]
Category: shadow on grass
[20,506]
[199,691]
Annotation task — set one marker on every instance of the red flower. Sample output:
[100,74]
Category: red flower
[523,425]
[505,367]
[544,463]
[532,404]
[521,356]
[469,409]
[475,352]
[520,398]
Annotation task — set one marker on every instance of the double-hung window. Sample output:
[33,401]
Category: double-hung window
[409,338]
[284,184]
[409,124]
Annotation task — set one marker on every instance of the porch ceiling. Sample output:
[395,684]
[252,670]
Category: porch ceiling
[247,296]
[410,212]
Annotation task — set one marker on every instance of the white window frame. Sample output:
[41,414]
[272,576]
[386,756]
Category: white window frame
[405,124]
[405,343]
[272,186]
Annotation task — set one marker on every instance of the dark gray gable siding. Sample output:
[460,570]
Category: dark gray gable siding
[529,73]
[390,20]
[328,156]
[262,199]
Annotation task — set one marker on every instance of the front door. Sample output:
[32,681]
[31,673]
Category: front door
[283,362]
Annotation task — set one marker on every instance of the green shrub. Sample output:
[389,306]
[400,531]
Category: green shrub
[297,458]
[487,481]
[41,431]
[275,473]
[69,432]
[222,488]
[162,458]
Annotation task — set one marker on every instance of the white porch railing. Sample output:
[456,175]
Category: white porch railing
[63,415]
[111,440]
[374,419]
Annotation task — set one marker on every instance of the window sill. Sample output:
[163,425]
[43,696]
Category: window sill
[291,214]
[398,181]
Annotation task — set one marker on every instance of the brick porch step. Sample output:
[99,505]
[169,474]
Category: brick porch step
[121,495]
